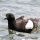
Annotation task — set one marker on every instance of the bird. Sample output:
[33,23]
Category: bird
[21,24]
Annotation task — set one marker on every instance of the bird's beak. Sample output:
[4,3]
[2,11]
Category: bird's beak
[5,18]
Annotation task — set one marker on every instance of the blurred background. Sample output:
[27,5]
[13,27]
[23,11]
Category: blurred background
[29,8]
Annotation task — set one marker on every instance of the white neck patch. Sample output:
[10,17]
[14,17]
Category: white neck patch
[29,25]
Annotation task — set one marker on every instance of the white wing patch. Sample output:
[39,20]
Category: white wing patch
[29,25]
